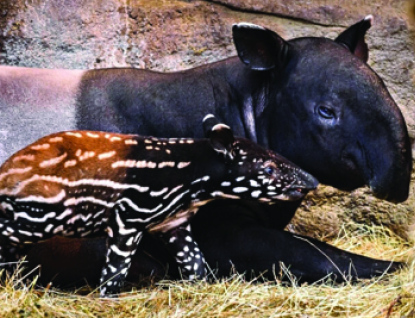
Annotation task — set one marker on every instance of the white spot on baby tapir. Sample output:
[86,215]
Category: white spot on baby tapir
[124,163]
[53,161]
[188,238]
[74,134]
[92,135]
[182,165]
[240,189]
[239,179]
[168,151]
[146,164]
[56,139]
[170,164]
[115,138]
[41,147]
[225,184]
[130,142]
[148,141]
[254,183]
[106,155]
[70,163]
[256,194]
[86,155]
[149,147]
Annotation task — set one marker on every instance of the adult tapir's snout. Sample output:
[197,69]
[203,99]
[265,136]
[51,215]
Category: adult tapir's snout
[389,162]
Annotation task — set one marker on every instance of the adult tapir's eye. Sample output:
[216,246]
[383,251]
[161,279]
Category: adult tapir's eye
[325,112]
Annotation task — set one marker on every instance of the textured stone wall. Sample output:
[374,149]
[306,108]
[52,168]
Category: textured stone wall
[171,35]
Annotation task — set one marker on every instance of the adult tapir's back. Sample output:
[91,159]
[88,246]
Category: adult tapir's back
[313,100]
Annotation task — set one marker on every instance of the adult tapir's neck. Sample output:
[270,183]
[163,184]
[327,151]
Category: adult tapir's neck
[172,104]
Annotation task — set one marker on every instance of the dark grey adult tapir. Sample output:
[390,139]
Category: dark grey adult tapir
[314,100]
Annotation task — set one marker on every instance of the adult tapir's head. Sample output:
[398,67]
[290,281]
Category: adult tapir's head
[338,120]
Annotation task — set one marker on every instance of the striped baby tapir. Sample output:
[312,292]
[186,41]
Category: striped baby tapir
[84,183]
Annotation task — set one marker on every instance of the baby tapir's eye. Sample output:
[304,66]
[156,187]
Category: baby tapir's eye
[269,170]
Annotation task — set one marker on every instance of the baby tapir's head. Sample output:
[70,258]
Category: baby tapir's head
[253,172]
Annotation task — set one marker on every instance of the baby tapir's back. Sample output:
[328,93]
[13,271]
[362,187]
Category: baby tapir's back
[81,174]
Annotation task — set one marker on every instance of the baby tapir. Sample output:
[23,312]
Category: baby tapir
[84,183]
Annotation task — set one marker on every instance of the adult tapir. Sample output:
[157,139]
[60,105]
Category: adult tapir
[314,100]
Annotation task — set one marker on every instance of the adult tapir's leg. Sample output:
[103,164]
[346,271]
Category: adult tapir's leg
[35,102]
[231,240]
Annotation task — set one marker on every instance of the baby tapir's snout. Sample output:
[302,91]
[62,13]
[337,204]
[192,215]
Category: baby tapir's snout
[298,182]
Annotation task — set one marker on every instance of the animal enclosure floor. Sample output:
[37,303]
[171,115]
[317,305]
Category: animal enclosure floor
[388,296]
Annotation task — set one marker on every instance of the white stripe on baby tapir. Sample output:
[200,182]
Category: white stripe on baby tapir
[64,214]
[76,201]
[84,218]
[76,183]
[173,191]
[26,216]
[132,205]
[74,134]
[40,199]
[159,193]
[15,171]
[171,203]
[53,161]
[24,157]
[223,195]
[121,226]
[205,178]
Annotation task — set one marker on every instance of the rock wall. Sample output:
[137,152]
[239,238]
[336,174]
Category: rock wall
[172,34]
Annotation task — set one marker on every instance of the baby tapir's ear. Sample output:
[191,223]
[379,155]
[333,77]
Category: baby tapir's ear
[220,135]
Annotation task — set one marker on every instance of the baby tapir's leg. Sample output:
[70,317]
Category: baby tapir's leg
[13,237]
[185,250]
[122,242]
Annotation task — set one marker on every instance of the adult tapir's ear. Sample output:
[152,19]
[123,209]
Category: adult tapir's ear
[257,47]
[354,38]
[220,135]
